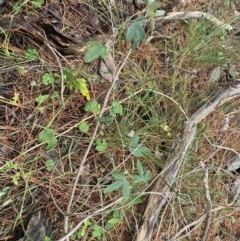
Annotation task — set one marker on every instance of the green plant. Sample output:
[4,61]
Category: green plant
[136,149]
[83,231]
[84,126]
[101,144]
[114,220]
[31,55]
[37,3]
[96,231]
[50,165]
[136,33]
[48,136]
[48,78]
[41,98]
[141,177]
[123,182]
[152,12]
[73,82]
[95,50]
[115,110]
[92,106]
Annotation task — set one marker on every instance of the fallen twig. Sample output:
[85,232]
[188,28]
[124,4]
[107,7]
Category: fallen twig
[208,200]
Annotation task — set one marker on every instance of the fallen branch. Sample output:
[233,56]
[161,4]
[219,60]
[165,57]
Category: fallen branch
[169,174]
[193,15]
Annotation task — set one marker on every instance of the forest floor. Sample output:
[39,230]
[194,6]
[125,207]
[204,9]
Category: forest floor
[85,129]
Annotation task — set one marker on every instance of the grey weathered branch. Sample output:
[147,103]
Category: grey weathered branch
[168,176]
[192,15]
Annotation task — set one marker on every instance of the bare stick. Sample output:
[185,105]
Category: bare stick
[208,200]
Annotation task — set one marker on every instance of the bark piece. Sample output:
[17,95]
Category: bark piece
[38,228]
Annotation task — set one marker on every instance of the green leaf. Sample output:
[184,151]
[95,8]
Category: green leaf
[47,79]
[154,5]
[114,221]
[117,107]
[4,191]
[31,54]
[134,141]
[233,220]
[106,119]
[46,238]
[92,106]
[101,145]
[112,187]
[41,98]
[147,175]
[68,73]
[16,178]
[135,33]
[116,214]
[160,13]
[139,168]
[97,231]
[51,144]
[96,50]
[151,13]
[137,178]
[137,150]
[126,190]
[141,151]
[84,126]
[82,87]
[82,232]
[37,3]
[50,165]
[112,113]
[47,135]
[118,175]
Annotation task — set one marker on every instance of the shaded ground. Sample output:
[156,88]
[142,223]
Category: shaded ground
[27,185]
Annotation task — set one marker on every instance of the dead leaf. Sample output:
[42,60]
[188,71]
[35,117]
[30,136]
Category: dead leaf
[107,66]
[4,151]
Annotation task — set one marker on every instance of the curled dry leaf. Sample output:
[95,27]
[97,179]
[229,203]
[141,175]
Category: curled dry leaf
[107,66]
[4,151]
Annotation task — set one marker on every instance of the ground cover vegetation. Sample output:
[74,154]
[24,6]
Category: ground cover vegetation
[94,96]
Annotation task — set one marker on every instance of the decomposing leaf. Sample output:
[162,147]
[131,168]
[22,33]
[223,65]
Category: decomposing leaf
[38,228]
[107,65]
[4,151]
